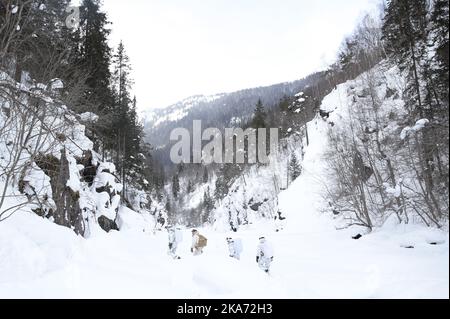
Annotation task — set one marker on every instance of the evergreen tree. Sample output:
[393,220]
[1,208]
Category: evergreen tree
[405,36]
[159,177]
[260,120]
[121,86]
[348,57]
[440,88]
[175,186]
[295,169]
[208,202]
[180,168]
[133,147]
[134,133]
[205,175]
[124,116]
[190,187]
[259,116]
[168,207]
[221,187]
[127,129]
[440,40]
[95,57]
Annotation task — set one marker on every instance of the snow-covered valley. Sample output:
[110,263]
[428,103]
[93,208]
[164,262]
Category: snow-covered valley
[39,259]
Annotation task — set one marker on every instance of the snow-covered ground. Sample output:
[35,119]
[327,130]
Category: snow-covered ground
[39,259]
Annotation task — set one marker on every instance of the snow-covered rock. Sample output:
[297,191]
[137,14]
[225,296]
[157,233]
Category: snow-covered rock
[89,117]
[56,84]
[420,124]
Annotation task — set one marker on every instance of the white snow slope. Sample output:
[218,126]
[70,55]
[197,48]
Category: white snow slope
[39,259]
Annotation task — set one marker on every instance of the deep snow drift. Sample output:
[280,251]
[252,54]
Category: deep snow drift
[39,259]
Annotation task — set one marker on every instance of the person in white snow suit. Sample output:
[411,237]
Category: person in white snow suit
[174,240]
[264,255]
[234,247]
[198,243]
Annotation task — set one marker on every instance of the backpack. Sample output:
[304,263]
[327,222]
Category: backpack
[202,241]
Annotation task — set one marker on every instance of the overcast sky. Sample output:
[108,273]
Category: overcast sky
[180,48]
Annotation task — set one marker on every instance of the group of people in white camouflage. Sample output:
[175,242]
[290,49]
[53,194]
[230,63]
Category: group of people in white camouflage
[264,253]
[176,236]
